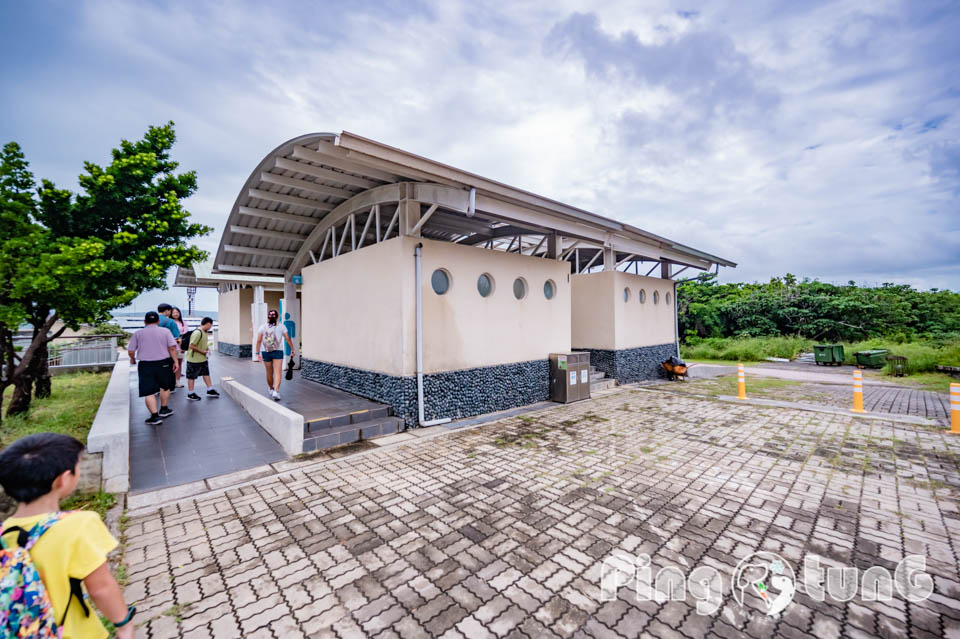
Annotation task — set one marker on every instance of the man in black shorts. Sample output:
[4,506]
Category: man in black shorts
[197,365]
[157,369]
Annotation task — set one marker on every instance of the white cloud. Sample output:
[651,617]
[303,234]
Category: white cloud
[694,126]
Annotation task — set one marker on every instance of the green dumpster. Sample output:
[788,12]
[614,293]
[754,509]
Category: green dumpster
[828,354]
[872,359]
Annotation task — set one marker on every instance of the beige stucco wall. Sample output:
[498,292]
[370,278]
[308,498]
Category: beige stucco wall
[592,310]
[351,308]
[645,324]
[464,330]
[602,319]
[359,309]
[234,314]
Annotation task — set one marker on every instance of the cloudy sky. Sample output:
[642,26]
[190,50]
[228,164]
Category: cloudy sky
[819,138]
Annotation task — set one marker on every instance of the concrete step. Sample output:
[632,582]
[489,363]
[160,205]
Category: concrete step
[346,419]
[596,376]
[602,385]
[323,438]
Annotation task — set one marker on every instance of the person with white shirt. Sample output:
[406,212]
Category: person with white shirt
[270,340]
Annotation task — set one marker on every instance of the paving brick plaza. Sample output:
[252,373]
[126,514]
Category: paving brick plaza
[500,530]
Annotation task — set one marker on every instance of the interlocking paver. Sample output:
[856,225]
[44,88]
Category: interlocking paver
[504,529]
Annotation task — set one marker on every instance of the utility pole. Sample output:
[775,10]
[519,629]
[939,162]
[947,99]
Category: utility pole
[191,295]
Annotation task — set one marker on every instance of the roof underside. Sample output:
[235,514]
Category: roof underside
[289,209]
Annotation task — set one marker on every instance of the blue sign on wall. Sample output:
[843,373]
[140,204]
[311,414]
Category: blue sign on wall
[297,279]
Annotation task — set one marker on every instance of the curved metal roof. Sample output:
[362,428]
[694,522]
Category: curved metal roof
[295,187]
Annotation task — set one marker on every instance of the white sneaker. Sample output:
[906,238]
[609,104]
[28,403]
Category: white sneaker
[275,395]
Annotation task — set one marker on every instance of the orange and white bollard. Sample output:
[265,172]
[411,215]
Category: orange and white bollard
[858,392]
[741,383]
[955,408]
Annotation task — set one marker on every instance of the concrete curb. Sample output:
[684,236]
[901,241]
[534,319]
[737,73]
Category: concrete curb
[887,417]
[283,424]
[774,403]
[110,432]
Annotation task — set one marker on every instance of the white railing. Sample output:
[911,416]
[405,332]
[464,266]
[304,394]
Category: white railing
[85,351]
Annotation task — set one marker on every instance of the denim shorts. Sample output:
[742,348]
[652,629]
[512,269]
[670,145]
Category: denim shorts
[269,356]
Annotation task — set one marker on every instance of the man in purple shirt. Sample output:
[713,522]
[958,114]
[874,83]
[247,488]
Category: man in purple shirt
[157,369]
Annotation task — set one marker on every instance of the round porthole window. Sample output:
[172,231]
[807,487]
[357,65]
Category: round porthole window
[440,281]
[667,298]
[549,289]
[656,297]
[642,296]
[519,288]
[626,294]
[485,285]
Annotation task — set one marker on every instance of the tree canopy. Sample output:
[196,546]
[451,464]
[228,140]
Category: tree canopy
[75,257]
[816,310]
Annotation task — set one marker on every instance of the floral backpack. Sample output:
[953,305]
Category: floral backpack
[25,607]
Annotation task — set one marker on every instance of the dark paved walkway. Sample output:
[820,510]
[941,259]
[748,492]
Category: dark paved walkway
[310,399]
[200,440]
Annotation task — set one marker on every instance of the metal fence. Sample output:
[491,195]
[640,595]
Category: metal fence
[85,351]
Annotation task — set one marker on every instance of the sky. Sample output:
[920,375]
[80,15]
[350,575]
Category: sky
[817,138]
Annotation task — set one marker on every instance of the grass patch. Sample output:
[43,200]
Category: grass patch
[924,355]
[175,611]
[99,502]
[727,385]
[744,349]
[69,410]
[937,382]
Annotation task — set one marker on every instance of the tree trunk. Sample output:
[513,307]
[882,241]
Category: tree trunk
[25,373]
[22,393]
[41,372]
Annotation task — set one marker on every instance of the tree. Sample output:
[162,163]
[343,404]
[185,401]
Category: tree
[815,310]
[74,258]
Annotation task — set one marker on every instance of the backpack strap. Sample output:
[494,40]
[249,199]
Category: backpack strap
[27,538]
[76,592]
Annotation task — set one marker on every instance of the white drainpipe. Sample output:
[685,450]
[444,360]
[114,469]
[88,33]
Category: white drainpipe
[676,318]
[420,421]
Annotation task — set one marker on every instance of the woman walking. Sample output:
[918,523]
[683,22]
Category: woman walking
[177,317]
[270,340]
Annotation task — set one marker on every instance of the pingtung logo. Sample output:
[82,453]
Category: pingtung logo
[767,576]
[763,580]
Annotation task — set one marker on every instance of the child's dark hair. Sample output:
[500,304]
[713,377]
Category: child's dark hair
[29,465]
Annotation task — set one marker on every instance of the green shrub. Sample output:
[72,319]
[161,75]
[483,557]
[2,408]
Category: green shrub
[110,329]
[745,349]
[922,356]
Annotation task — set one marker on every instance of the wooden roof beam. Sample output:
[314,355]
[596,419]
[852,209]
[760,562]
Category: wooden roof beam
[290,199]
[313,187]
[325,174]
[277,215]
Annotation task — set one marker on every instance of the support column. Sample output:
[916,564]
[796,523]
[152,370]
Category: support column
[609,259]
[665,270]
[554,246]
[291,316]
[258,317]
[409,216]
